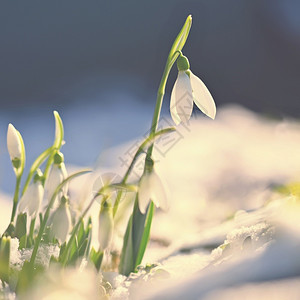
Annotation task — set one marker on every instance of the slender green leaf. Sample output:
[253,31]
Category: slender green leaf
[4,258]
[96,257]
[21,225]
[82,247]
[23,242]
[81,232]
[59,136]
[126,265]
[180,39]
[146,235]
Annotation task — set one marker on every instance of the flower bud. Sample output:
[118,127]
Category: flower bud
[61,221]
[106,226]
[14,145]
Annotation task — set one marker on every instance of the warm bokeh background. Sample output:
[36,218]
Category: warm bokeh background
[99,64]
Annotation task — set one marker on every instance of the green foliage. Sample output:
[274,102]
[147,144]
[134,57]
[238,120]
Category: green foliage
[21,226]
[96,258]
[136,239]
[4,258]
[77,247]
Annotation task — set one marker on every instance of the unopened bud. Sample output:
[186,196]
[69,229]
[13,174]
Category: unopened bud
[14,145]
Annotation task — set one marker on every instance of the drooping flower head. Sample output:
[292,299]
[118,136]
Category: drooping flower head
[31,200]
[61,220]
[189,89]
[58,173]
[151,189]
[106,225]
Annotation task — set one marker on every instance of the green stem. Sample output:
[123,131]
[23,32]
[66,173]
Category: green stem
[160,98]
[138,228]
[16,198]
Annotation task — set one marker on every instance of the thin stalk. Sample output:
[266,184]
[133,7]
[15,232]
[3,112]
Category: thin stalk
[139,225]
[16,198]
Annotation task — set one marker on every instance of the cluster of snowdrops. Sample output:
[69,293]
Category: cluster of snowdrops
[41,212]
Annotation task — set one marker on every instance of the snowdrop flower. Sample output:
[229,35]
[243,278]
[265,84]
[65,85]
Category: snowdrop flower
[33,196]
[61,221]
[106,225]
[14,145]
[188,89]
[151,188]
[58,173]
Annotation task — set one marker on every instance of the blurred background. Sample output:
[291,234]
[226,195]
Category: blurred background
[99,64]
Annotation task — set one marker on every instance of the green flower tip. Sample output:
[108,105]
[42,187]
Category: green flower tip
[64,199]
[188,20]
[105,205]
[55,113]
[16,162]
[39,176]
[183,63]
[149,164]
[58,158]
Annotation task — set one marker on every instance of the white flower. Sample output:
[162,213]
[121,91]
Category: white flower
[61,221]
[188,89]
[57,175]
[106,226]
[32,198]
[14,143]
[151,188]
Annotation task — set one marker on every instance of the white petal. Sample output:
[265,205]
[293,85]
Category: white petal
[144,193]
[202,97]
[56,176]
[158,196]
[181,104]
[25,200]
[35,202]
[106,225]
[32,199]
[13,142]
[61,222]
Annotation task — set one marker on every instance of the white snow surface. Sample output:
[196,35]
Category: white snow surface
[227,234]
